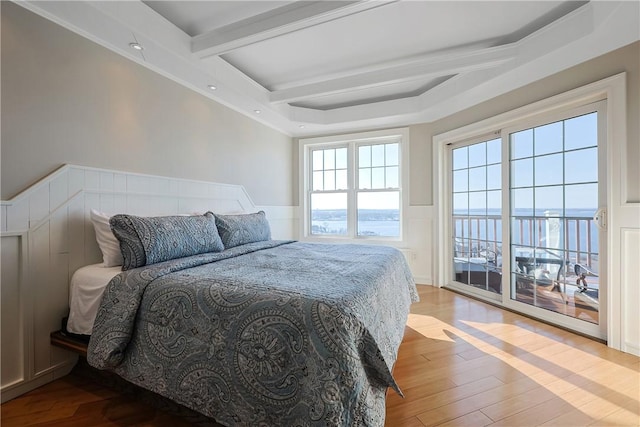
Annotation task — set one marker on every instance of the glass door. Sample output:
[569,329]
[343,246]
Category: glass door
[556,217]
[527,218]
[477,217]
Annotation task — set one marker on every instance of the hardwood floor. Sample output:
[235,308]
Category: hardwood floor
[462,363]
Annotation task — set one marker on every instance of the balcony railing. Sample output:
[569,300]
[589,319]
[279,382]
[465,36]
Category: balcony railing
[479,236]
[554,261]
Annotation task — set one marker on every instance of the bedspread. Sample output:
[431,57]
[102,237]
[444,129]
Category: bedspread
[271,333]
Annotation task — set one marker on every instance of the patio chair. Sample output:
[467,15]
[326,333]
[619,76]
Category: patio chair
[581,273]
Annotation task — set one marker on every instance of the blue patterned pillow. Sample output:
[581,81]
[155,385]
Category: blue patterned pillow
[148,240]
[236,230]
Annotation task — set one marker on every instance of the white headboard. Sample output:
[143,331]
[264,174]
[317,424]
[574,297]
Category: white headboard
[47,235]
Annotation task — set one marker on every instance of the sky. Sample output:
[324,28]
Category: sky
[552,167]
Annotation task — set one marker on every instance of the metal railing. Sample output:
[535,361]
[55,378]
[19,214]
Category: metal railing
[481,236]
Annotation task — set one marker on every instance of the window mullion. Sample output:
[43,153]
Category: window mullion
[352,197]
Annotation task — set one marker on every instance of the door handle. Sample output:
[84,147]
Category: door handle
[600,217]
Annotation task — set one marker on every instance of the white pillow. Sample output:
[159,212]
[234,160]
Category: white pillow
[109,245]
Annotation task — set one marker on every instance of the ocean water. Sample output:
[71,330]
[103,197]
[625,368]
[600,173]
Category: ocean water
[371,222]
[386,228]
[578,229]
[547,232]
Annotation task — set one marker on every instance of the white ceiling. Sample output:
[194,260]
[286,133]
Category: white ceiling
[396,32]
[320,67]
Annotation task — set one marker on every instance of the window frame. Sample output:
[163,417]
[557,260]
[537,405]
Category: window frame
[352,142]
[310,191]
[460,143]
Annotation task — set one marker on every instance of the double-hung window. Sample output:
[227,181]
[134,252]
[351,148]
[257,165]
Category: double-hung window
[353,187]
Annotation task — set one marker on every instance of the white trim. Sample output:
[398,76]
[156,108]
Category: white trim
[14,390]
[613,89]
[42,183]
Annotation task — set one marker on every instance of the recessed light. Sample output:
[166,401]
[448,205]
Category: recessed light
[136,46]
[301,126]
[257,111]
[212,87]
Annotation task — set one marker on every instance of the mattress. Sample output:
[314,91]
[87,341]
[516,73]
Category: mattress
[87,286]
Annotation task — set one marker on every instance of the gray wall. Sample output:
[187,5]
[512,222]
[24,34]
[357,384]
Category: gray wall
[66,99]
[623,59]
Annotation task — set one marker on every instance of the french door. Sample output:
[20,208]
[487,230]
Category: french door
[476,218]
[528,218]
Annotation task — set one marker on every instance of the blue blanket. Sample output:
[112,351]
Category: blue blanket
[269,333]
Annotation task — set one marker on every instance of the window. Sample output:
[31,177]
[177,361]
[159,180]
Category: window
[353,188]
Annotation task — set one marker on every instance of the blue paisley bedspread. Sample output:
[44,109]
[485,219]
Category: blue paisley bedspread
[271,333]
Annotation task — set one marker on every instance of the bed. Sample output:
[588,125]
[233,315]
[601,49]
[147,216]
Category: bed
[260,332]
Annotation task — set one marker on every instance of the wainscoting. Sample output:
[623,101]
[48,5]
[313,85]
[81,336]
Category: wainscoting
[47,235]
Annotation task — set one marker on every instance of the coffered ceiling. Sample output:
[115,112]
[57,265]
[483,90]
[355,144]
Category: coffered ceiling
[320,67]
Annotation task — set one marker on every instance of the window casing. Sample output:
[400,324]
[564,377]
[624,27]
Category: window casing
[353,187]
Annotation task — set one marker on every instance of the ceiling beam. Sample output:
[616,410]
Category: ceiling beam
[430,67]
[283,20]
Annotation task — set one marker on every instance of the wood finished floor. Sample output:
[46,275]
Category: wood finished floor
[461,363]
